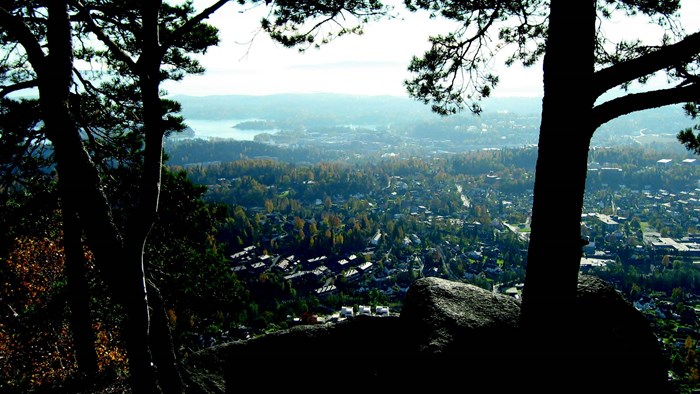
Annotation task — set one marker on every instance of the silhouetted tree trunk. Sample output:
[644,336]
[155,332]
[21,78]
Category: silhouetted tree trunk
[162,343]
[122,270]
[555,247]
[55,77]
[78,294]
[554,251]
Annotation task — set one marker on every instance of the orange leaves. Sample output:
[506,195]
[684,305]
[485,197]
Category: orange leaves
[47,356]
[36,358]
[54,358]
[37,265]
[172,317]
[36,344]
[110,356]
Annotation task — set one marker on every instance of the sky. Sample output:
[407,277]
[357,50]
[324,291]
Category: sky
[374,63]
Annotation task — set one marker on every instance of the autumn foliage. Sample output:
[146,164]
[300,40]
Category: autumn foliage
[36,348]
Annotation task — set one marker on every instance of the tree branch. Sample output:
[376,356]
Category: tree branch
[97,31]
[624,105]
[5,90]
[630,70]
[21,32]
[191,23]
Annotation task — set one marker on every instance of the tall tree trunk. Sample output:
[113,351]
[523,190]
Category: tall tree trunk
[146,210]
[140,225]
[123,271]
[55,74]
[554,251]
[162,346]
[78,294]
[142,370]
[555,246]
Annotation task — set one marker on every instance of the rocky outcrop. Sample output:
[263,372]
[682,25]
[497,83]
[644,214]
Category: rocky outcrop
[450,337]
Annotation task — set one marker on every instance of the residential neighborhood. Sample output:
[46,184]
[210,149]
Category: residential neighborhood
[368,210]
[644,240]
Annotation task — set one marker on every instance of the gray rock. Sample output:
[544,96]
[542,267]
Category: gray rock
[450,337]
[446,312]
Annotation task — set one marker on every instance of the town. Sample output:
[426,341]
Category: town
[336,240]
[329,222]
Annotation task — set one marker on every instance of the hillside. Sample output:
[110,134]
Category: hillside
[510,115]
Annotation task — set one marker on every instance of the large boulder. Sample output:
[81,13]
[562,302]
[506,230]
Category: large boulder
[359,354]
[466,337]
[449,337]
[612,347]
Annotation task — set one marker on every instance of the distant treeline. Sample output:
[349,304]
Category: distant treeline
[632,166]
[199,151]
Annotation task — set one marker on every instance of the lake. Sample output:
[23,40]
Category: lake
[206,128]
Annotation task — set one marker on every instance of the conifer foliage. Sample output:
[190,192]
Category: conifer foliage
[581,63]
[106,131]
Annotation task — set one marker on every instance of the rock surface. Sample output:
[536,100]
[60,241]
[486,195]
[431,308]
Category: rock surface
[450,337]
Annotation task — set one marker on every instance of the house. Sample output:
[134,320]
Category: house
[285,264]
[314,262]
[326,290]
[382,310]
[415,239]
[352,275]
[265,259]
[365,267]
[609,223]
[347,311]
[340,265]
[474,255]
[513,292]
[590,262]
[238,255]
[321,272]
[376,238]
[257,267]
[239,269]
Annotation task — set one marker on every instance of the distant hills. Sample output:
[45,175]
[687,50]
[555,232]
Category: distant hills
[326,109]
[286,106]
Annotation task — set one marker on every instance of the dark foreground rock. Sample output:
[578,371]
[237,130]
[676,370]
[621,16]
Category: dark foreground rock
[450,337]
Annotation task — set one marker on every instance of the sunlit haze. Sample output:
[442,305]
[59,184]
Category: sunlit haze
[371,64]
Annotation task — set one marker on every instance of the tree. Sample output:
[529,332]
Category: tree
[26,182]
[568,64]
[146,42]
[80,186]
[30,36]
[148,52]
[579,66]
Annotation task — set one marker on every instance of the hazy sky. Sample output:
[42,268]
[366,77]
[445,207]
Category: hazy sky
[372,64]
